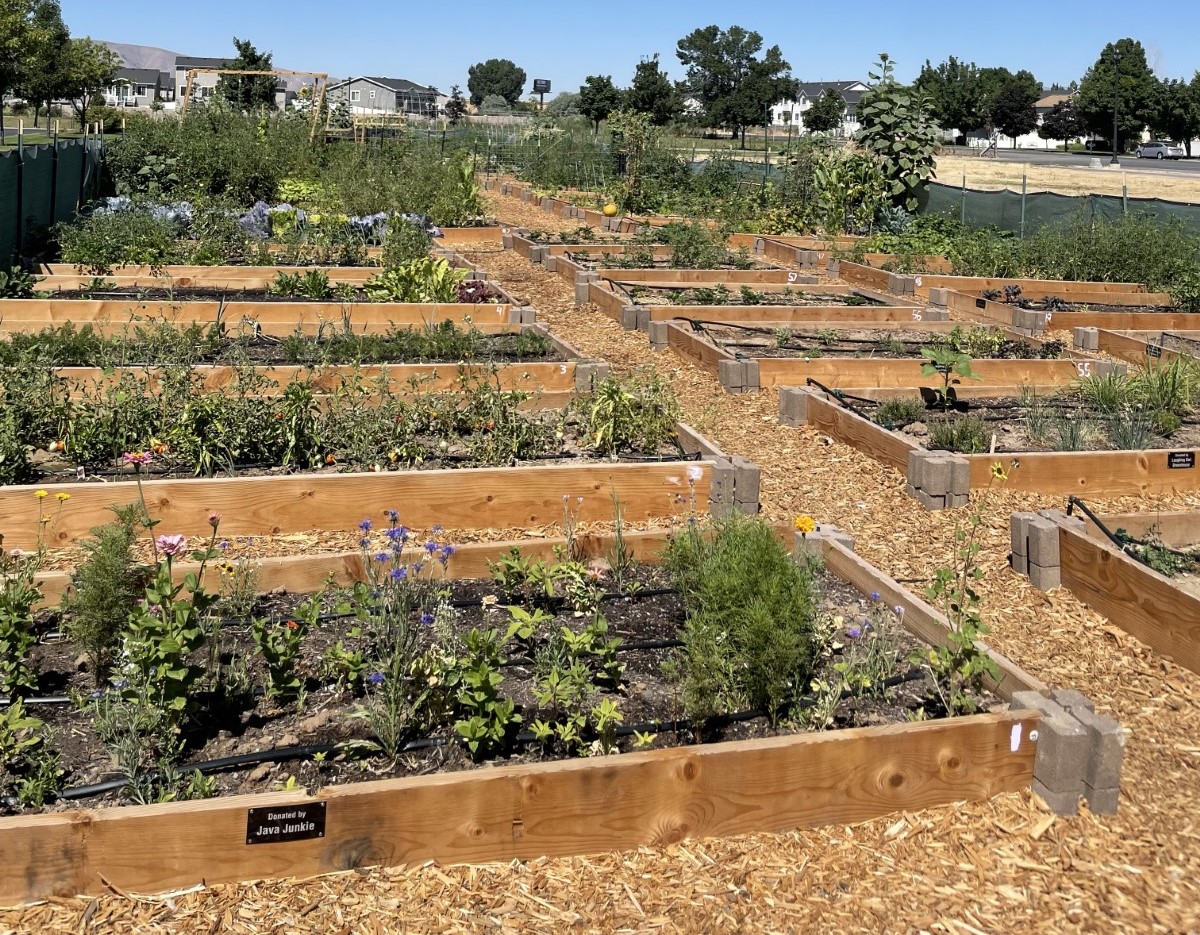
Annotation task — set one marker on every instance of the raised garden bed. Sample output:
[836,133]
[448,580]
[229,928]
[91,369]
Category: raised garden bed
[1141,570]
[941,478]
[535,808]
[748,357]
[1143,348]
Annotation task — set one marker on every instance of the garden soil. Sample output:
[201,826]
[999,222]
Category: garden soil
[1001,866]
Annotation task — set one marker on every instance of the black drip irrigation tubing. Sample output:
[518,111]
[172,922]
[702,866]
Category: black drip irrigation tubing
[243,760]
[1126,543]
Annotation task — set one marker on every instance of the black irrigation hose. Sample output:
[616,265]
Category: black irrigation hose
[1124,544]
[242,760]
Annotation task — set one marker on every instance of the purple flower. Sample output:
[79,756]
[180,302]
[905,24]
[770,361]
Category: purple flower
[431,546]
[170,546]
[399,574]
[875,596]
[427,619]
[392,515]
[365,525]
[854,632]
[899,608]
[375,678]
[223,544]
[120,683]
[417,566]
[364,543]
[437,529]
[381,557]
[397,534]
[447,551]
[95,694]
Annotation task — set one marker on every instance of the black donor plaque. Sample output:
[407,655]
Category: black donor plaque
[277,823]
[1181,460]
[981,303]
[1153,350]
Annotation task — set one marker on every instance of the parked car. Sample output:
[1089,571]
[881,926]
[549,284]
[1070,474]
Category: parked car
[1157,149]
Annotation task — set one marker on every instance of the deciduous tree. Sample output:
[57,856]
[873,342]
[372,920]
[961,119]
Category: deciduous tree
[42,79]
[598,97]
[1136,94]
[652,92]
[1177,116]
[1012,109]
[1062,122]
[87,68]
[456,107]
[735,86]
[495,76]
[22,23]
[957,97]
[827,112]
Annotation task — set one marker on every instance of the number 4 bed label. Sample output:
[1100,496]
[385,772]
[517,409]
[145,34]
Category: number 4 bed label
[277,823]
[1181,460]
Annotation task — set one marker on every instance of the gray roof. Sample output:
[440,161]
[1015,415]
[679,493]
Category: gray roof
[191,61]
[401,85]
[138,75]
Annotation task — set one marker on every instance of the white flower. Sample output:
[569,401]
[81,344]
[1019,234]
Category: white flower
[694,474]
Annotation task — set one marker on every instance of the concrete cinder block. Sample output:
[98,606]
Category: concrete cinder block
[657,331]
[751,372]
[643,319]
[811,543]
[939,297]
[1071,700]
[1061,803]
[807,259]
[793,405]
[1105,367]
[935,313]
[723,480]
[1106,741]
[1086,339]
[732,374]
[833,267]
[1102,801]
[1043,578]
[937,476]
[629,315]
[1041,537]
[506,239]
[1062,744]
[747,482]
[550,262]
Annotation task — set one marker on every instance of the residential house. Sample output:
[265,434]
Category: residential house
[139,87]
[204,84]
[374,95]
[791,113]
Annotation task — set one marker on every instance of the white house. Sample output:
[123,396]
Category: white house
[791,113]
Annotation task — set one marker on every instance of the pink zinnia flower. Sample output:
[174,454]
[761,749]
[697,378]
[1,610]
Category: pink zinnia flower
[170,546]
[137,457]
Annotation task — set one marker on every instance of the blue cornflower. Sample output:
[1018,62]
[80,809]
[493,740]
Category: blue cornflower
[417,566]
[431,546]
[427,619]
[899,608]
[364,543]
[875,596]
[382,557]
[866,624]
[396,533]
[399,574]
[365,525]
[437,529]
[447,551]
[96,694]
[375,678]
[854,633]
[392,515]
[120,683]
[223,544]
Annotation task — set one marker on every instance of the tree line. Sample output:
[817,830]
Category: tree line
[964,97]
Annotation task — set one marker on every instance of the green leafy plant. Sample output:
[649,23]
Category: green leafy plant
[897,131]
[421,280]
[965,434]
[279,643]
[952,366]
[628,414]
[899,411]
[17,284]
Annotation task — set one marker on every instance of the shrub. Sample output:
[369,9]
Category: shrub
[900,411]
[106,239]
[964,434]
[106,585]
[748,637]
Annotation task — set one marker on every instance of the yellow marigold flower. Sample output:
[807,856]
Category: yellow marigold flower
[998,471]
[62,497]
[41,494]
[804,524]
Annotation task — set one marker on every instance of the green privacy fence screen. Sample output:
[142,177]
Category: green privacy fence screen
[42,185]
[1025,213]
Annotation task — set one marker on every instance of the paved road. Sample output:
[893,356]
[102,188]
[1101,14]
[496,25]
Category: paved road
[1082,160]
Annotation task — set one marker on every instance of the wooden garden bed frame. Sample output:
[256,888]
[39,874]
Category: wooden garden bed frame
[1030,321]
[278,319]
[569,807]
[943,479]
[457,498]
[739,374]
[1141,348]
[1055,550]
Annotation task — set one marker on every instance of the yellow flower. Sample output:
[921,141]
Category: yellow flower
[998,471]
[804,524]
[41,494]
[62,497]
[45,518]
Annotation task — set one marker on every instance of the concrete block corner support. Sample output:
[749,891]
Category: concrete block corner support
[1086,339]
[657,331]
[747,481]
[1079,752]
[793,405]
[812,543]
[588,373]
[938,480]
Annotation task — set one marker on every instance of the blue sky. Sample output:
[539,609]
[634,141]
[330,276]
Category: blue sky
[435,43]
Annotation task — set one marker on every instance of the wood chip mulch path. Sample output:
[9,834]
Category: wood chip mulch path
[1001,866]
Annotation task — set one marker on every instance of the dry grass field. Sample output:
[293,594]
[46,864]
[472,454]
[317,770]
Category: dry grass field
[994,174]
